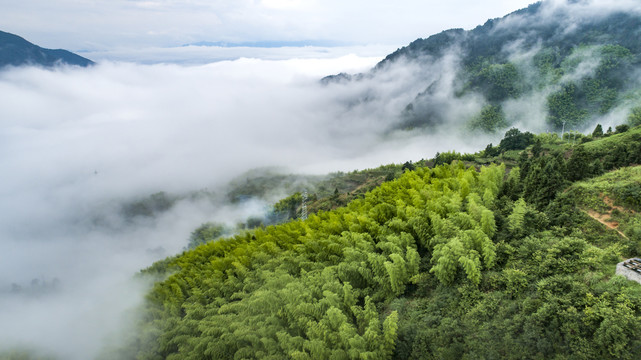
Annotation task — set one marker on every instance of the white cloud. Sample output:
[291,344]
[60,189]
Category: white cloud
[286,4]
[201,55]
[74,142]
[103,25]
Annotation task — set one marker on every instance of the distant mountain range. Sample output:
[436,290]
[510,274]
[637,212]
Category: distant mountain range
[16,51]
[268,44]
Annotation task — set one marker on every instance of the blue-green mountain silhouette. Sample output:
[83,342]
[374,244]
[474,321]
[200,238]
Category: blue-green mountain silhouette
[16,51]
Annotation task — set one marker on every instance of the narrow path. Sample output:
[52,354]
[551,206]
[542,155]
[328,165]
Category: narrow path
[603,219]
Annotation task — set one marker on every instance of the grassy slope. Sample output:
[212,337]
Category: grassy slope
[614,200]
[605,144]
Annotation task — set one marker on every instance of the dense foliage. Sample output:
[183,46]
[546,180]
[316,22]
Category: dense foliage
[314,288]
[447,262]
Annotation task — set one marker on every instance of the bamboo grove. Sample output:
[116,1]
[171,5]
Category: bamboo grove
[449,262]
[312,289]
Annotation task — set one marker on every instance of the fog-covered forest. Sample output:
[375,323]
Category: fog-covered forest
[466,196]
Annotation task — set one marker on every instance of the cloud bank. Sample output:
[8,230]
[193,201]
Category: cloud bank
[76,143]
[131,24]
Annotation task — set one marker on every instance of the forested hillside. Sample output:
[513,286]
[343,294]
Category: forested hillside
[458,260]
[547,67]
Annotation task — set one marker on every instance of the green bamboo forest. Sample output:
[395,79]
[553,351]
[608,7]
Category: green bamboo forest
[490,257]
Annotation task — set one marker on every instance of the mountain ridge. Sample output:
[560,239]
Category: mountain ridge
[580,65]
[17,51]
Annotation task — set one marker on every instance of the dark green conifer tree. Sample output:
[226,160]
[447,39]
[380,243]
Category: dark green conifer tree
[544,180]
[578,165]
[524,164]
[622,128]
[537,148]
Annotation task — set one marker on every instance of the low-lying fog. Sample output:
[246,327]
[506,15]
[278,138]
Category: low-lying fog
[76,143]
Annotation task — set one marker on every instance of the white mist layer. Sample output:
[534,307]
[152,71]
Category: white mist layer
[74,142]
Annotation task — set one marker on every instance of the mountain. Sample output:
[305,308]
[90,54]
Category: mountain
[533,27]
[16,51]
[552,65]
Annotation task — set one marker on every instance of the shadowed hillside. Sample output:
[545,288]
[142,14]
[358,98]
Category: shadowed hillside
[16,51]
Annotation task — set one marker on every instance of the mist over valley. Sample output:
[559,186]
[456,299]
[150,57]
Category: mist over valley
[110,168]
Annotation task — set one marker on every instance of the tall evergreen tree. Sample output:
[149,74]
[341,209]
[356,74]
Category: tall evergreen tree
[524,164]
[537,148]
[544,180]
[578,166]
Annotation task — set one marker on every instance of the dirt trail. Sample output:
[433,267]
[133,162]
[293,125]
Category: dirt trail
[606,219]
[610,203]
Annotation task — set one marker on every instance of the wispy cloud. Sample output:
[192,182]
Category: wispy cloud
[104,25]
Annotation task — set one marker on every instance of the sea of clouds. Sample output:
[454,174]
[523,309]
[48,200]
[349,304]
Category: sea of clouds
[75,143]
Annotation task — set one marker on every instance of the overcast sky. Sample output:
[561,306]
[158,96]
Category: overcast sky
[109,24]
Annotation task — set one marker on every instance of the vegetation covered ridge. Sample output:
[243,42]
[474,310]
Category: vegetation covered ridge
[567,77]
[459,260]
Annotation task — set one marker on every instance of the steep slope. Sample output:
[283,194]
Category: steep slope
[16,51]
[539,25]
[310,288]
[552,65]
[614,200]
[552,294]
